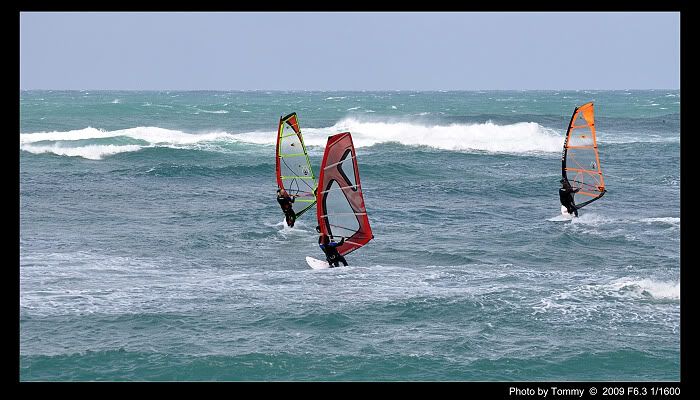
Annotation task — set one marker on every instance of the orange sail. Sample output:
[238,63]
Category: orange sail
[580,161]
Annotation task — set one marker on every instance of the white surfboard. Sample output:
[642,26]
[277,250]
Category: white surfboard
[316,264]
[563,217]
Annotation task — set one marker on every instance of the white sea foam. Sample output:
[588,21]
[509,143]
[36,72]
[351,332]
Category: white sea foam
[299,228]
[106,284]
[620,138]
[644,287]
[64,142]
[588,218]
[514,138]
[522,137]
[153,135]
[91,152]
[214,112]
[80,134]
[664,220]
[588,300]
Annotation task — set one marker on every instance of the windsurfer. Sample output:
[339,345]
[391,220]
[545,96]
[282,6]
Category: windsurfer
[286,201]
[566,196]
[330,248]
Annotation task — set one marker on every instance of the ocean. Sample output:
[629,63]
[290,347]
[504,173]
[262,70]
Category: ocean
[152,248]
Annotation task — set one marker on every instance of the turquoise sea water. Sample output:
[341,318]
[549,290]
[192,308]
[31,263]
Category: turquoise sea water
[152,247]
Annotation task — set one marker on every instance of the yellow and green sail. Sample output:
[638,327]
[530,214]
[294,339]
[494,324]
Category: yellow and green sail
[293,168]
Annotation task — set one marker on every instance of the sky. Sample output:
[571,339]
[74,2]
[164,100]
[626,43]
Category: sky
[349,50]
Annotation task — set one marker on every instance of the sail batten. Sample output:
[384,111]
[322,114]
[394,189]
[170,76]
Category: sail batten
[341,208]
[334,164]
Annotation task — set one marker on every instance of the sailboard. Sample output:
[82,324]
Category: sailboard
[580,161]
[341,208]
[316,263]
[292,167]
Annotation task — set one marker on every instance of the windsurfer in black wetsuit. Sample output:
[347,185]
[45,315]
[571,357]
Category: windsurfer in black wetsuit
[566,197]
[330,248]
[286,201]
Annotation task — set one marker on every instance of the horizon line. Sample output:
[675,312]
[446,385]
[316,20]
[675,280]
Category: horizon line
[340,90]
